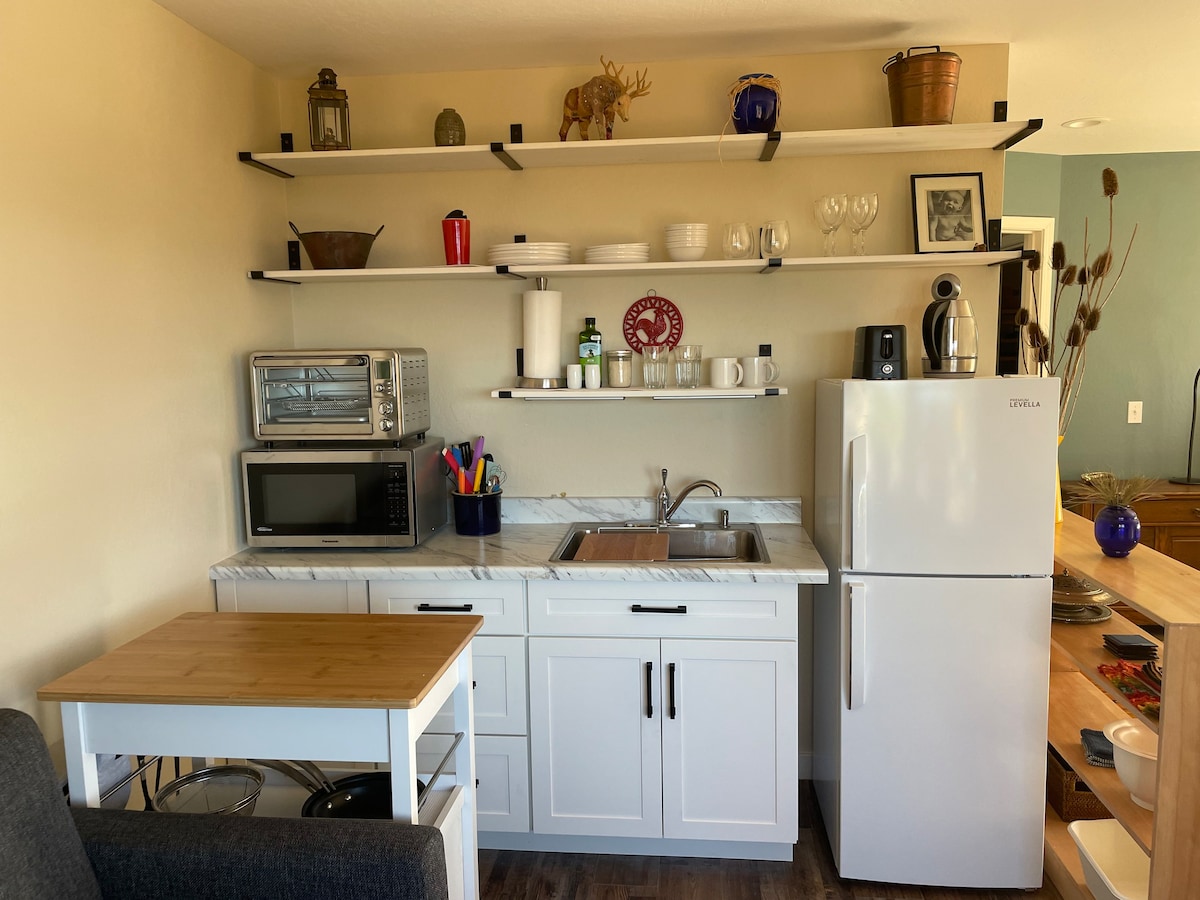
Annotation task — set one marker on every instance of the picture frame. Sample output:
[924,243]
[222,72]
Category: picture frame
[948,212]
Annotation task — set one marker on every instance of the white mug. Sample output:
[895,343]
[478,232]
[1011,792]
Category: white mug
[758,371]
[726,372]
[574,376]
[591,376]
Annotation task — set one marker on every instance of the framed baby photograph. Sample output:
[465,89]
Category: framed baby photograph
[948,212]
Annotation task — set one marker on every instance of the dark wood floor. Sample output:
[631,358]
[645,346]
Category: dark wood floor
[509,875]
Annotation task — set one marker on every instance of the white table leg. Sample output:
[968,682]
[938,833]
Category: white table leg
[83,776]
[403,763]
[463,704]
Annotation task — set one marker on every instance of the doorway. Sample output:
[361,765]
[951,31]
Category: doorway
[1013,356]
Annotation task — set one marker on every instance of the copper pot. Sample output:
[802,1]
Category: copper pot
[336,249]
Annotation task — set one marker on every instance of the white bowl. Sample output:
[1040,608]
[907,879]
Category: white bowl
[1135,756]
[1114,866]
[686,254]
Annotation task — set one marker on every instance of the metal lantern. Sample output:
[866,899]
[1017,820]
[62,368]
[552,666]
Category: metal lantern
[328,113]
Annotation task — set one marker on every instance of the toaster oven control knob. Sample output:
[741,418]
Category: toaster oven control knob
[387,407]
[384,388]
[386,424]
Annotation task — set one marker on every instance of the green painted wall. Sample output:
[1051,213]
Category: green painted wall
[1032,184]
[1148,344]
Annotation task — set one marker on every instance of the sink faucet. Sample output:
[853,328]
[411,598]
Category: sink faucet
[664,508]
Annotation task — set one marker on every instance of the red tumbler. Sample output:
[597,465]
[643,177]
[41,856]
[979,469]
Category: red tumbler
[456,235]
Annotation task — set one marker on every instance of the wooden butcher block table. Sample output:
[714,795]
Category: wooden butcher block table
[279,686]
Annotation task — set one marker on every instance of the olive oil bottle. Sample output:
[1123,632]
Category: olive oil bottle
[591,350]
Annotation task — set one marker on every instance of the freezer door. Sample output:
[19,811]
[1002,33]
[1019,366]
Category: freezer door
[943,477]
[943,730]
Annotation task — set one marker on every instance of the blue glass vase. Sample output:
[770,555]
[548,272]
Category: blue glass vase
[755,107]
[1118,530]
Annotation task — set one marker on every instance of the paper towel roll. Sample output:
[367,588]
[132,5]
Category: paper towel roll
[543,334]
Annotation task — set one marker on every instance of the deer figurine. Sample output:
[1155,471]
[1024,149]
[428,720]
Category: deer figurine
[601,100]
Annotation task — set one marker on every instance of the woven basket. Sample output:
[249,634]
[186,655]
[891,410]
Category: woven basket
[1068,795]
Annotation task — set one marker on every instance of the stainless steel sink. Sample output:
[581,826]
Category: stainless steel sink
[739,542]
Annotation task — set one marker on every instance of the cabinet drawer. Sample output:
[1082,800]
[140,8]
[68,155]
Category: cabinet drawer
[663,610]
[1183,511]
[501,776]
[501,603]
[291,596]
[498,671]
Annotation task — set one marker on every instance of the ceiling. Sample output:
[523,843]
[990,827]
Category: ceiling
[1068,59]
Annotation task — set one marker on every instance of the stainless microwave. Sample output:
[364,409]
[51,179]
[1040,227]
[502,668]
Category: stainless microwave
[352,497]
[339,395]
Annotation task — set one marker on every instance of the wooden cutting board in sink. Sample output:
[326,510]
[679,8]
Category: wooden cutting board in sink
[637,546]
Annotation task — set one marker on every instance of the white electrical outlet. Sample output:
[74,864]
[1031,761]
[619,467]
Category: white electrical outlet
[1135,412]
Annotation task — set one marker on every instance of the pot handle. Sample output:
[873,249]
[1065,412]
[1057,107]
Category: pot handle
[936,48]
[291,770]
[295,230]
[380,229]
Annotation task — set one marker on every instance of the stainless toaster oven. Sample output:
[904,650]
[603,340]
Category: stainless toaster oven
[339,395]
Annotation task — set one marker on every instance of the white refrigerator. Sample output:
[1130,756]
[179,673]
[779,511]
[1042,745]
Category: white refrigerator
[934,512]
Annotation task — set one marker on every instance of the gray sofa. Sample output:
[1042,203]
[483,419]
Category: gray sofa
[52,851]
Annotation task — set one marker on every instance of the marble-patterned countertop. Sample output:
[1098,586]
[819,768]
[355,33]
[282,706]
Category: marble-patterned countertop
[531,529]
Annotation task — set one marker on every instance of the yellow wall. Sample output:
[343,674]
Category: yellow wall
[126,230]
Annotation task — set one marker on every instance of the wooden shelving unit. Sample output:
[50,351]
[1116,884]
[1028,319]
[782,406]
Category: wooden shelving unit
[644,151]
[1166,592]
[703,267]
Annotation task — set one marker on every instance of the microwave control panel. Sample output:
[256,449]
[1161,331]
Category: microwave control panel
[397,500]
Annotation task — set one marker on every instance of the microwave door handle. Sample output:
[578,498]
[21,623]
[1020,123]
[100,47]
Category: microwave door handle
[858,503]
[274,362]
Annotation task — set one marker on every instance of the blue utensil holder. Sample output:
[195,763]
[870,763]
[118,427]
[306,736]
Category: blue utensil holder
[477,514]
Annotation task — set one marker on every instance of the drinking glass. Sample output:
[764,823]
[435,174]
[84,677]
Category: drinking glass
[687,365]
[831,212]
[861,211]
[773,239]
[654,365]
[737,243]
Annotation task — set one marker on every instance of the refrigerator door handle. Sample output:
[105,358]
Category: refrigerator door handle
[857,654]
[858,503]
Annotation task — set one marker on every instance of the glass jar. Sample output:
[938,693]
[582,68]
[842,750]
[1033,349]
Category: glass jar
[620,368]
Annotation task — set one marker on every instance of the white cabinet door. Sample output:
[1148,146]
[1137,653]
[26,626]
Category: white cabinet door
[498,672]
[291,596]
[594,736]
[501,777]
[729,738]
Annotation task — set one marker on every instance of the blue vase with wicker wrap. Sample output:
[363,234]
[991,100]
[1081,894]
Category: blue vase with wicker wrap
[755,103]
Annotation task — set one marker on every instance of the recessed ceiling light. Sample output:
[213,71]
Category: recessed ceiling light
[1085,122]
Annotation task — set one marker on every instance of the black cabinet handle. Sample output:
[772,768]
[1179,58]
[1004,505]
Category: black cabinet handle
[638,608]
[671,689]
[429,607]
[649,690]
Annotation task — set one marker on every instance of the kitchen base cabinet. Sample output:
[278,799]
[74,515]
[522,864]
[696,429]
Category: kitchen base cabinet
[501,779]
[291,596]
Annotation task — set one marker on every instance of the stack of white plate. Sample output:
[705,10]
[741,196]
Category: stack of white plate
[617,253]
[531,253]
[687,241]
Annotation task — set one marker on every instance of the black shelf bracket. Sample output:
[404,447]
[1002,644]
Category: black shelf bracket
[774,264]
[259,275]
[1000,111]
[502,155]
[1025,255]
[1031,127]
[504,395]
[769,148]
[503,270]
[771,392]
[248,159]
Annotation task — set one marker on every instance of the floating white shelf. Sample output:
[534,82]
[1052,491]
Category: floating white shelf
[702,267]
[699,393]
[633,151]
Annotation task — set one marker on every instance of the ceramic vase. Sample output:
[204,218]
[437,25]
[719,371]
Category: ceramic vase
[755,107]
[1117,530]
[449,130]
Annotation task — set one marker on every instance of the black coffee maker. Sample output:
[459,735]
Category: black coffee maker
[880,353]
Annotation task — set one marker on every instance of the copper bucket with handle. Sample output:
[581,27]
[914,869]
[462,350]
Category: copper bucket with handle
[922,86]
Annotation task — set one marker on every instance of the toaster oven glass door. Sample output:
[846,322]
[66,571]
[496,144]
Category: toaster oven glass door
[327,499]
[315,397]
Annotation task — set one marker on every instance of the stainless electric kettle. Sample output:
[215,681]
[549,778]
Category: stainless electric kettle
[949,332]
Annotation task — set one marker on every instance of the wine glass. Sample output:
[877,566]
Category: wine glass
[831,212]
[861,211]
[737,242]
[773,239]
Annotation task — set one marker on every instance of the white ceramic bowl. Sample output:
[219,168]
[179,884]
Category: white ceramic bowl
[1114,866]
[686,254]
[1135,755]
